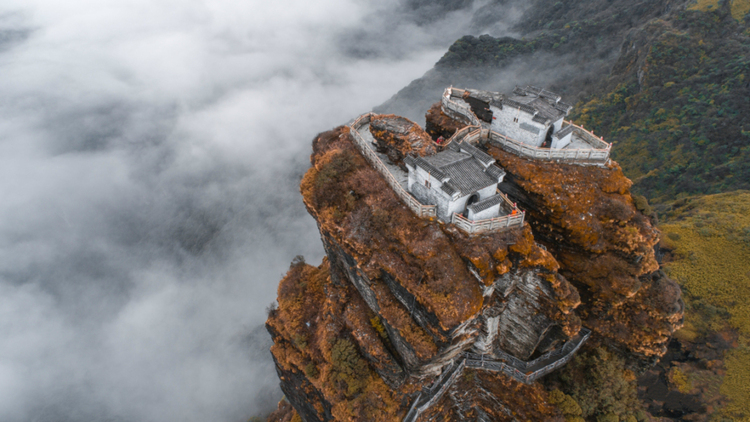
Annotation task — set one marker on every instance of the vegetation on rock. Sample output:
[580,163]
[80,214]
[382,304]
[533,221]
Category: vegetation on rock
[598,383]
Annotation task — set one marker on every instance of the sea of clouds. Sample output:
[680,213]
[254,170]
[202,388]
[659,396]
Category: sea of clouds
[150,152]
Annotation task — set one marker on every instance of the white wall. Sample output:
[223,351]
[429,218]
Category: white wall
[490,212]
[502,122]
[429,196]
[459,206]
[561,143]
[487,192]
[446,206]
[558,125]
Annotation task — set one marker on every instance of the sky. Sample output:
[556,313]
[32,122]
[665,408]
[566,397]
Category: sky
[150,156]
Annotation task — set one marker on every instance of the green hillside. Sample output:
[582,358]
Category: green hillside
[677,106]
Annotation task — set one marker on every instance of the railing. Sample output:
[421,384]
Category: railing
[528,372]
[597,155]
[587,136]
[423,211]
[584,156]
[430,396]
[498,223]
[464,112]
[465,133]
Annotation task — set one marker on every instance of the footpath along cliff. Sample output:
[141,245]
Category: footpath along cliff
[414,318]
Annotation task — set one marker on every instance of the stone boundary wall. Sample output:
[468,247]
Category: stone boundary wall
[424,211]
[468,134]
[599,155]
[458,111]
[461,134]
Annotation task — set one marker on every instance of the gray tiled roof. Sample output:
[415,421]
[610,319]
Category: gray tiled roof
[468,176]
[444,158]
[517,104]
[495,172]
[429,167]
[486,204]
[540,119]
[447,188]
[477,153]
[462,169]
[545,106]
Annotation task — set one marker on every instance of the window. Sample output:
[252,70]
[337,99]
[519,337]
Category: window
[427,184]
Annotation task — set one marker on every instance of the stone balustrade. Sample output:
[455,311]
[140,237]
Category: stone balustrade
[597,155]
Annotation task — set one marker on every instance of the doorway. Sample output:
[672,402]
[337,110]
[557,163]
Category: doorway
[473,199]
[548,139]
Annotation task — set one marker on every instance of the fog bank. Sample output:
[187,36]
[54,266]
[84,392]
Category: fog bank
[150,153]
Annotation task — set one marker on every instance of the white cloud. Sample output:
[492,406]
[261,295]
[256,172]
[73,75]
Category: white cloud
[150,153]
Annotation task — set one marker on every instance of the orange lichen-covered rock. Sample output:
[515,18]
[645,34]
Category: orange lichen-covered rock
[586,218]
[322,358]
[400,298]
[361,213]
[493,395]
[398,137]
[440,124]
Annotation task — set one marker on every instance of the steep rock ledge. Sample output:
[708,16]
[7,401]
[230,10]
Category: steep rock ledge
[586,218]
[400,298]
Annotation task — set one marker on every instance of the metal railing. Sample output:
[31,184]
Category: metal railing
[597,155]
[423,211]
[525,372]
[430,396]
[528,372]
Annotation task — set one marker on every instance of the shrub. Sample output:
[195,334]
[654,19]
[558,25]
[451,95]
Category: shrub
[348,367]
[311,370]
[641,204]
[596,381]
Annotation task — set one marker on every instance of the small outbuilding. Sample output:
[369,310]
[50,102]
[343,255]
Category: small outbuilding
[461,179]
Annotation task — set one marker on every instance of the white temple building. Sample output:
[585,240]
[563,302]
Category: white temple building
[530,115]
[461,180]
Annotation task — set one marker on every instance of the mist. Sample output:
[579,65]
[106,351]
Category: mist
[150,153]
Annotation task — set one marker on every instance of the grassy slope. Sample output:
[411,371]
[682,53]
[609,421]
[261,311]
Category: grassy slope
[709,239]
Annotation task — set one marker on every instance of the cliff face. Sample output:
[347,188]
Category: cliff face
[586,217]
[392,315]
[400,298]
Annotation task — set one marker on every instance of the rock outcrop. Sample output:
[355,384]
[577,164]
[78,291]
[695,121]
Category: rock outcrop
[398,298]
[398,137]
[586,217]
[385,327]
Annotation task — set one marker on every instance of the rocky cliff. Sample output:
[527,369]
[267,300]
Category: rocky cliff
[587,219]
[383,325]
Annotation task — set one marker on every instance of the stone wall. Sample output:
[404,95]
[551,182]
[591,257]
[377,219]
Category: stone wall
[503,123]
[490,212]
